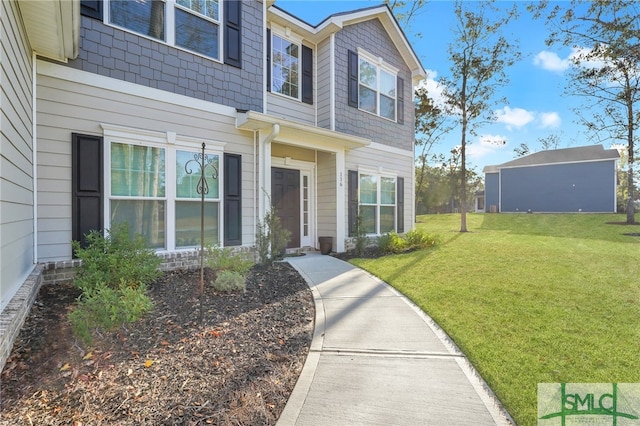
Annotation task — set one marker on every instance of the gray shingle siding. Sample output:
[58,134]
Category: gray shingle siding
[586,187]
[119,54]
[372,37]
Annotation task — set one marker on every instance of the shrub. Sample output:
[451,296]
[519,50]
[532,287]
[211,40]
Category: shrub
[271,238]
[412,240]
[418,238]
[361,236]
[391,243]
[223,259]
[104,308]
[115,258]
[115,271]
[227,281]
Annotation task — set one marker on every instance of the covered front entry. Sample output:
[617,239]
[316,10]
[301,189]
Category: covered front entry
[285,194]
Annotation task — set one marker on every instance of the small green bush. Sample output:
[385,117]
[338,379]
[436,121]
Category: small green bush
[114,275]
[271,238]
[361,236]
[115,258]
[391,243]
[412,240]
[228,281]
[223,259]
[104,308]
[419,238]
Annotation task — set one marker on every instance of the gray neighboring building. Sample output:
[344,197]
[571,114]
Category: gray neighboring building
[569,180]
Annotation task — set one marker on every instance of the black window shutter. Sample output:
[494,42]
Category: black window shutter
[352,183]
[307,75]
[91,8]
[232,200]
[400,204]
[353,79]
[268,60]
[232,33]
[400,111]
[87,212]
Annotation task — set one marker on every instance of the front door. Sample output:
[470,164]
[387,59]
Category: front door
[285,196]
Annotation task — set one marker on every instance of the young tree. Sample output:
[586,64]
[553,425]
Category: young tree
[479,56]
[431,124]
[605,35]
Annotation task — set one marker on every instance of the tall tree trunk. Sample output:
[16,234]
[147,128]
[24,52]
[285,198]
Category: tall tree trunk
[630,147]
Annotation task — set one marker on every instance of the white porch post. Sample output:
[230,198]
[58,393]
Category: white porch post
[341,210]
[264,178]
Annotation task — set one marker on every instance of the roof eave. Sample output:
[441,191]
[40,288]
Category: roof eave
[53,27]
[252,121]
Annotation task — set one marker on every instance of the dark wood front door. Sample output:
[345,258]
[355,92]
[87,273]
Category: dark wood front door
[285,196]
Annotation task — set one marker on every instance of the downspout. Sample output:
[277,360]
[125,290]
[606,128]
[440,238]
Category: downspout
[34,155]
[332,79]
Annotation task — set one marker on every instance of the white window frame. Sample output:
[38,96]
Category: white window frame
[171,143]
[379,174]
[380,65]
[287,35]
[170,27]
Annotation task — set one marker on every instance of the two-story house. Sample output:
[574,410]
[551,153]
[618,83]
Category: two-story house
[106,105]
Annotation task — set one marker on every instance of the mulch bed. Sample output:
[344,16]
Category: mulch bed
[236,367]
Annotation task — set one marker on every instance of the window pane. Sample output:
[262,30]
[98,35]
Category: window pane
[367,99]
[187,183]
[368,189]
[144,17]
[146,217]
[387,84]
[387,107]
[197,34]
[137,171]
[285,65]
[387,219]
[368,219]
[368,74]
[207,8]
[387,190]
[188,223]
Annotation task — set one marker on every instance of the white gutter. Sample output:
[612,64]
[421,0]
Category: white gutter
[332,79]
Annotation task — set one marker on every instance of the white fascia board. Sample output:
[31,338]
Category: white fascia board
[521,166]
[62,72]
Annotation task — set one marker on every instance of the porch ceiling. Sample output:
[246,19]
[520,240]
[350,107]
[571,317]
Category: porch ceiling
[300,134]
[53,27]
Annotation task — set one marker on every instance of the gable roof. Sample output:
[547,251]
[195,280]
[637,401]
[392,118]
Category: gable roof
[335,22]
[559,156]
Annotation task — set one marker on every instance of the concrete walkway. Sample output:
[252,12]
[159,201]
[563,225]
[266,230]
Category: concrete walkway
[377,359]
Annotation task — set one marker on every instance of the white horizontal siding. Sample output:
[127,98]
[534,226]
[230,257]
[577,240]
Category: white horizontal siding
[66,107]
[326,195]
[324,84]
[16,146]
[290,109]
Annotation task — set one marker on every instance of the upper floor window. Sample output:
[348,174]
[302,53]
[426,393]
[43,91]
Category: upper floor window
[191,24]
[285,75]
[376,89]
[289,65]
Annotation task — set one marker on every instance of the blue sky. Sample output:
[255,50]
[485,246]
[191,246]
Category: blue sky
[537,106]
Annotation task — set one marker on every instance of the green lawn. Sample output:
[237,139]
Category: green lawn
[530,298]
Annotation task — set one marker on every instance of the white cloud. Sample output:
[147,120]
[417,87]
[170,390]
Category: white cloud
[550,61]
[549,120]
[487,144]
[516,117]
[434,89]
